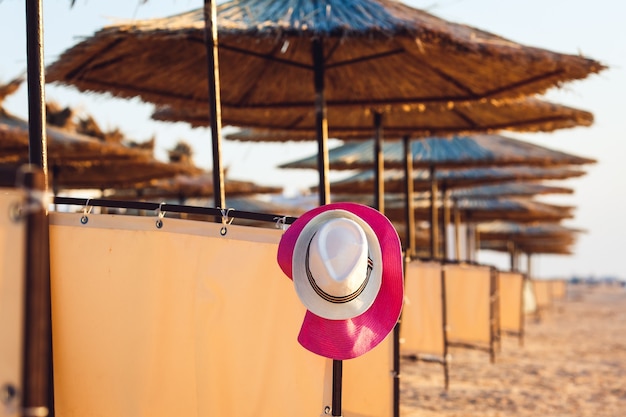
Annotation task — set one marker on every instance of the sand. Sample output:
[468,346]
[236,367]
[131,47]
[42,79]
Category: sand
[573,363]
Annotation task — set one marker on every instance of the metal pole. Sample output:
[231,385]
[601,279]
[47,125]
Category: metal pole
[444,324]
[321,129]
[37,144]
[37,374]
[410,203]
[37,389]
[215,106]
[434,216]
[379,160]
[321,121]
[337,383]
[457,231]
[445,196]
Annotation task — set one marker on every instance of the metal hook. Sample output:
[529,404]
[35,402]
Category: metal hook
[226,221]
[86,210]
[281,222]
[160,214]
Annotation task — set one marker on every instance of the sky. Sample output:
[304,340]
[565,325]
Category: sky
[594,29]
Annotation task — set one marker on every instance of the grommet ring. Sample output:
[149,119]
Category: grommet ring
[226,221]
[161,214]
[86,210]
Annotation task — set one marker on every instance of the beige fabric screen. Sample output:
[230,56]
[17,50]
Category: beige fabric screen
[182,321]
[421,329]
[510,286]
[12,254]
[468,304]
[558,289]
[530,301]
[541,289]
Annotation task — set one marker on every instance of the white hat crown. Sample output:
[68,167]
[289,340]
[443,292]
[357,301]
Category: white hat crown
[338,257]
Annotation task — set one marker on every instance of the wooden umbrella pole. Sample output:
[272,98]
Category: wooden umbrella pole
[37,396]
[215,113]
[37,143]
[457,231]
[409,195]
[445,197]
[379,160]
[321,130]
[434,216]
[321,122]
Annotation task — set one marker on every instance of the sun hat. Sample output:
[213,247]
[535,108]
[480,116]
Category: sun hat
[346,264]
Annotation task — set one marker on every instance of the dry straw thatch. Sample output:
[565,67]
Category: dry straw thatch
[455,152]
[78,161]
[528,238]
[363,182]
[478,210]
[298,124]
[376,53]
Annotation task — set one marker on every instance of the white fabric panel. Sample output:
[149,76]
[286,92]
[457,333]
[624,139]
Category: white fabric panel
[530,302]
[468,303]
[182,321]
[542,291]
[12,254]
[421,327]
[510,286]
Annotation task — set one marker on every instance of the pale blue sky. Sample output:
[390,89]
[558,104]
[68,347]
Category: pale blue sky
[593,28]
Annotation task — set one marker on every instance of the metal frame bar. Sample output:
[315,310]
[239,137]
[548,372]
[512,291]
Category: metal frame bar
[173,208]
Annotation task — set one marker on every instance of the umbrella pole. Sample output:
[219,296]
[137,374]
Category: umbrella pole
[321,121]
[457,231]
[37,393]
[37,141]
[379,182]
[321,129]
[409,248]
[215,113]
[410,203]
[445,195]
[434,216]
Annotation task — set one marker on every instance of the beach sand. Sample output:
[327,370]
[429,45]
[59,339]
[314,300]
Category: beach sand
[573,363]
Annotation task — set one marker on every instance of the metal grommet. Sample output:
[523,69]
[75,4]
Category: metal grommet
[8,394]
[84,219]
[223,231]
[159,223]
[327,410]
[15,212]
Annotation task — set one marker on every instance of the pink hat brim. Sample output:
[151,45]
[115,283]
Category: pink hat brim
[350,338]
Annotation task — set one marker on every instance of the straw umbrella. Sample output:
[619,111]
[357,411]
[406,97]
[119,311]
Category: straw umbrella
[526,114]
[530,239]
[363,182]
[436,153]
[183,187]
[77,161]
[350,50]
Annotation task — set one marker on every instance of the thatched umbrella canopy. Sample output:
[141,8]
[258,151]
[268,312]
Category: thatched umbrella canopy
[549,246]
[363,182]
[62,145]
[365,53]
[477,210]
[78,161]
[535,238]
[183,187]
[499,230]
[266,53]
[524,115]
[480,150]
[508,190]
